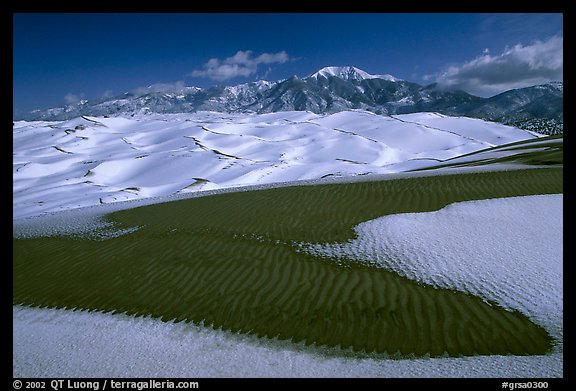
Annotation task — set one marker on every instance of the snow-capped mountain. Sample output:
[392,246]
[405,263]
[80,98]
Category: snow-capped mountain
[538,108]
[331,90]
[349,73]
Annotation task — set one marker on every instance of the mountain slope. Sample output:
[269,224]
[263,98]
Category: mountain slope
[538,108]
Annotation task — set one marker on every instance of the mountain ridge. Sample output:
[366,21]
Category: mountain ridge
[330,90]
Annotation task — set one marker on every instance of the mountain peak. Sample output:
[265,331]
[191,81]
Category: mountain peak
[349,73]
[556,85]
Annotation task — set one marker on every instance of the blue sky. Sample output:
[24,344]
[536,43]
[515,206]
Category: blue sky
[61,58]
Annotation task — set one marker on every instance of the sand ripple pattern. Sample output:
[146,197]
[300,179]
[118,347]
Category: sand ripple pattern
[230,261]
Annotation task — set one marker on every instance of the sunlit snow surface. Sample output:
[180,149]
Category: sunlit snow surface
[506,250]
[92,161]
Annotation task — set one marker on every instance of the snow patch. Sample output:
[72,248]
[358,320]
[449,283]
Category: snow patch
[63,343]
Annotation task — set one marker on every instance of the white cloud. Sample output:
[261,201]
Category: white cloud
[107,94]
[166,88]
[72,99]
[516,67]
[242,64]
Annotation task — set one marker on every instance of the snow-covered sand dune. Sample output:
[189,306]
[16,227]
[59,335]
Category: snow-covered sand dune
[91,161]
